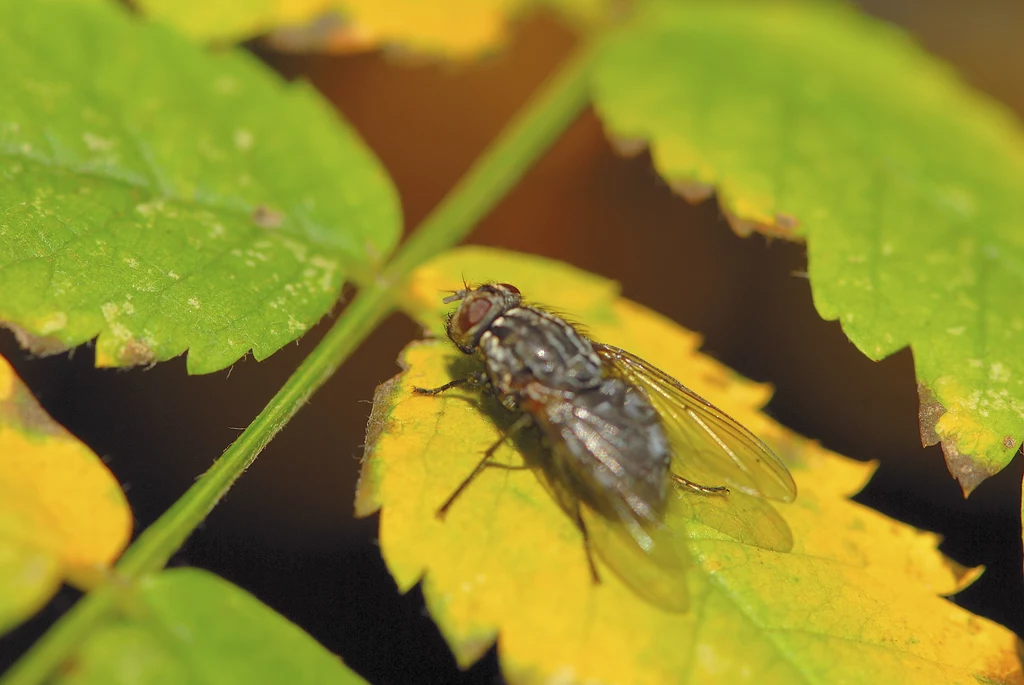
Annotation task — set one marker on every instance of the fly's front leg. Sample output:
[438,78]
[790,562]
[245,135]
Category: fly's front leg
[473,380]
[522,422]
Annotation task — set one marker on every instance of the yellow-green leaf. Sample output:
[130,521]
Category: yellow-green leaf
[810,120]
[458,29]
[855,601]
[63,516]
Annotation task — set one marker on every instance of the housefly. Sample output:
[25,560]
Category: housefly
[624,442]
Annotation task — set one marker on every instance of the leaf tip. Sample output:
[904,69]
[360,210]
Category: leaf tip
[693,192]
[781,225]
[967,468]
[963,576]
[625,146]
[36,345]
[964,467]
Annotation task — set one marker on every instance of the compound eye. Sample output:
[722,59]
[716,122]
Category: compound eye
[473,313]
[510,287]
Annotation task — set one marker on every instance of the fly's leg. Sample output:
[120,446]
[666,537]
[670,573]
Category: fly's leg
[475,379]
[586,545]
[704,489]
[522,422]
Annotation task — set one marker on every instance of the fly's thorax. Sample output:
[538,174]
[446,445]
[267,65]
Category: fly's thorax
[526,345]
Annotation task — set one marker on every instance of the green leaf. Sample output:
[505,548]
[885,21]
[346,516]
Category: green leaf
[812,121]
[217,20]
[189,626]
[166,198]
[856,601]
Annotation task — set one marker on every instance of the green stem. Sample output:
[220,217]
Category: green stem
[501,166]
[166,536]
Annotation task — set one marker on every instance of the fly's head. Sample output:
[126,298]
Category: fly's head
[478,308]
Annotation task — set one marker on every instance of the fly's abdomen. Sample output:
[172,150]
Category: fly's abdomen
[612,442]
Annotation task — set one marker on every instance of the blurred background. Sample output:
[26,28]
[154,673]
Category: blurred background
[286,532]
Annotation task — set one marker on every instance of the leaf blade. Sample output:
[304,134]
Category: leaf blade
[507,563]
[63,517]
[453,29]
[188,625]
[166,199]
[813,121]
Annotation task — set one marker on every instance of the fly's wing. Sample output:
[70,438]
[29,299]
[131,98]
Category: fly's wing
[622,526]
[708,446]
[748,519]
[651,560]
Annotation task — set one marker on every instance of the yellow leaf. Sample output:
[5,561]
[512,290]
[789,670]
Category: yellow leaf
[63,516]
[856,600]
[458,29]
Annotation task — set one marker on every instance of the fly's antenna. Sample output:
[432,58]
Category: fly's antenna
[457,295]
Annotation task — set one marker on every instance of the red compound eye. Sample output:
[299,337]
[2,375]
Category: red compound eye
[473,313]
[509,286]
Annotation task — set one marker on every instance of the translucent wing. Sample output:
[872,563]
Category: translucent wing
[652,560]
[649,558]
[709,447]
[621,515]
[748,519]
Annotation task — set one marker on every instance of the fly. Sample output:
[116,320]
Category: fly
[624,442]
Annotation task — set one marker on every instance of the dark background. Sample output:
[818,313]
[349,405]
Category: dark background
[286,531]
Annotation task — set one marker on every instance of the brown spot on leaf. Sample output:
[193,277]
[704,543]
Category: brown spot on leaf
[380,412]
[380,420]
[716,380]
[741,227]
[70,667]
[964,468]
[968,472]
[692,191]
[786,223]
[38,345]
[1010,442]
[928,414]
[627,147]
[329,32]
[1005,667]
[136,353]
[265,217]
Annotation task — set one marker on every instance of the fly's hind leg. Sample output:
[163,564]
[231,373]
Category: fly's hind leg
[522,422]
[473,380]
[586,545]
[704,489]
